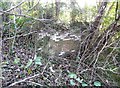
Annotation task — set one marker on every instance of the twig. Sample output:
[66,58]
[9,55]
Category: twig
[34,5]
[35,83]
[15,6]
[26,16]
[23,80]
[17,36]
[111,70]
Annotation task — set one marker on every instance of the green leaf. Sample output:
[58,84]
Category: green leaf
[2,78]
[72,82]
[79,80]
[29,63]
[72,75]
[16,61]
[97,83]
[5,62]
[29,71]
[84,84]
[38,60]
[22,66]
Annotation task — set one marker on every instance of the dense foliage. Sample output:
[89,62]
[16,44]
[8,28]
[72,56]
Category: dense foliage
[60,44]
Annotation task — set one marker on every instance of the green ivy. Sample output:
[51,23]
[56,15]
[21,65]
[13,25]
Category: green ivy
[37,60]
[29,63]
[97,83]
[16,60]
[84,84]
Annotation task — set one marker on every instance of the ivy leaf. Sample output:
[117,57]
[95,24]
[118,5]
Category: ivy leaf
[29,71]
[84,84]
[5,62]
[72,75]
[16,61]
[2,78]
[29,63]
[97,83]
[38,60]
[79,80]
[72,82]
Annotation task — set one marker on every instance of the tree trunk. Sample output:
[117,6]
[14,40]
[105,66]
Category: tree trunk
[73,15]
[57,4]
[1,48]
[95,25]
